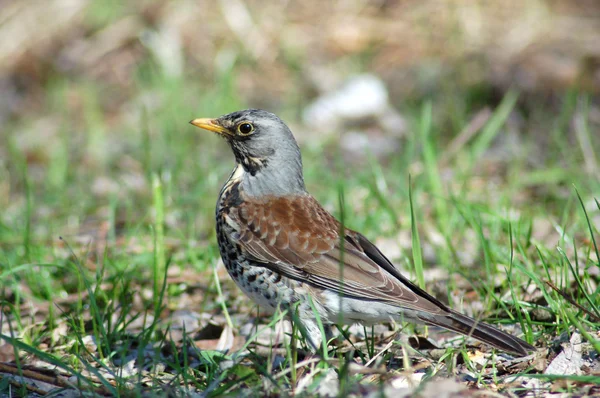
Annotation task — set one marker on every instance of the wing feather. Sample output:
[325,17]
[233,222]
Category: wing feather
[298,238]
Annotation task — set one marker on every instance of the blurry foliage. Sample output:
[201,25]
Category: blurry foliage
[286,52]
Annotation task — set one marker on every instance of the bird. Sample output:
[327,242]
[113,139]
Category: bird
[284,250]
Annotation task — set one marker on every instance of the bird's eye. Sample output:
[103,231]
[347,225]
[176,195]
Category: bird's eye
[245,128]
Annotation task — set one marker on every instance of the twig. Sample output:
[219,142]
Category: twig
[54,380]
[573,302]
[299,365]
[387,347]
[27,386]
[468,132]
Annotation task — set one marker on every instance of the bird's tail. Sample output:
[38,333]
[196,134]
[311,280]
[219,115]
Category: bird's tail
[462,324]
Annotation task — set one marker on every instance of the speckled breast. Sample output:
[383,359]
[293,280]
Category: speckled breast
[265,287]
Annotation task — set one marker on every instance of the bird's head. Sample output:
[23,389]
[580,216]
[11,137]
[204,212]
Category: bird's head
[264,147]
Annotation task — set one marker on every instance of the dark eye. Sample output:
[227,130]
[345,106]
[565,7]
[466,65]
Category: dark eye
[245,128]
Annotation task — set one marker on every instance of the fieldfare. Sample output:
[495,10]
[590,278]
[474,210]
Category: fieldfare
[282,248]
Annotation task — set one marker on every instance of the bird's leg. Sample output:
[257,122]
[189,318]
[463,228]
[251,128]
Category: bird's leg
[317,342]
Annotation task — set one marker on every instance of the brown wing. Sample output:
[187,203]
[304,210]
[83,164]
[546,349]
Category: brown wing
[300,239]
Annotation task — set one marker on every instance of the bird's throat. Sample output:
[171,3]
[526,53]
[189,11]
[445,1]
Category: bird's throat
[251,165]
[266,181]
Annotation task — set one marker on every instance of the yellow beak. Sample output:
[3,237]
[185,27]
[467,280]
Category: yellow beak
[210,125]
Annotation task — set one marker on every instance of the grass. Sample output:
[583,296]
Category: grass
[107,233]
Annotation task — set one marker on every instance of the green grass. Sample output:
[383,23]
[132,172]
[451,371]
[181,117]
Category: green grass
[110,225]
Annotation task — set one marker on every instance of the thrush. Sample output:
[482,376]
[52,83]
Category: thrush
[283,249]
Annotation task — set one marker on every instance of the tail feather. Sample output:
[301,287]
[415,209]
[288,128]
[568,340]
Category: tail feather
[462,324]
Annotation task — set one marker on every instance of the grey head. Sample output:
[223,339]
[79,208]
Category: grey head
[265,151]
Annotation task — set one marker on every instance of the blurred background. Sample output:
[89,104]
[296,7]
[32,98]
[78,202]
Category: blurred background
[86,69]
[96,97]
[59,56]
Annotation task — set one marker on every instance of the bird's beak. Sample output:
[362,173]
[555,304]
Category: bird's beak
[210,125]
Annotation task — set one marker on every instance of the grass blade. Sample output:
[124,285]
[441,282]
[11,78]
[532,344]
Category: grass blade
[492,128]
[416,241]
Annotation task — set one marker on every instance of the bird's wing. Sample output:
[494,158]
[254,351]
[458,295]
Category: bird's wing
[298,238]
